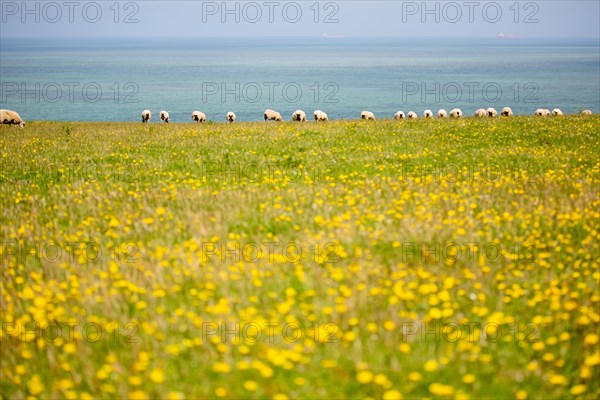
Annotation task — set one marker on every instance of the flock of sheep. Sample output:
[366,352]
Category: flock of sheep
[13,118]
[300,116]
[270,115]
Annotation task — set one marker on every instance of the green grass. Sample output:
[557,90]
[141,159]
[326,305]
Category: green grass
[369,231]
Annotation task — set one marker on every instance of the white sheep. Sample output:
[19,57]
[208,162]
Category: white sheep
[320,116]
[442,113]
[491,112]
[542,112]
[506,112]
[146,114]
[456,113]
[299,116]
[198,116]
[230,117]
[399,115]
[367,115]
[586,112]
[480,112]
[557,112]
[412,115]
[164,116]
[271,115]
[11,117]
[427,114]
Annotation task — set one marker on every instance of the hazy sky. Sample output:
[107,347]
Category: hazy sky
[159,18]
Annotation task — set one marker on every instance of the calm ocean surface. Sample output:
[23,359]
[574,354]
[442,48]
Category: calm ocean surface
[115,79]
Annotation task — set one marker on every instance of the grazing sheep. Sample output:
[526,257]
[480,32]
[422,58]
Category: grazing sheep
[557,112]
[491,112]
[480,112]
[271,115]
[586,112]
[506,112]
[198,116]
[442,113]
[542,112]
[399,115]
[164,116]
[146,114]
[456,113]
[320,116]
[299,116]
[412,115]
[230,117]
[11,117]
[367,115]
[427,114]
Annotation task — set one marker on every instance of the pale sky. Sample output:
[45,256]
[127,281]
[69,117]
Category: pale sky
[353,18]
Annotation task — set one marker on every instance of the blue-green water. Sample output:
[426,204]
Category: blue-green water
[115,79]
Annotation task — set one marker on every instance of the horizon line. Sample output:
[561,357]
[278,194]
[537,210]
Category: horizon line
[320,36]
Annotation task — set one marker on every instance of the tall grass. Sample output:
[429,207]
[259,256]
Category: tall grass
[454,258]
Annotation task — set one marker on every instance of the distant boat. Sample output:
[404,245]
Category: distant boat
[332,36]
[510,36]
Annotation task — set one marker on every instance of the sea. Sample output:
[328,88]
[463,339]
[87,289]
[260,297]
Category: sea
[114,79]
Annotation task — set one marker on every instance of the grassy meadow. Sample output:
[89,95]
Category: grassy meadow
[347,259]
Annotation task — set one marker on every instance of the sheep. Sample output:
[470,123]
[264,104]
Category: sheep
[271,115]
[506,112]
[146,114]
[11,117]
[299,116]
[427,114]
[399,115]
[542,112]
[586,112]
[164,116]
[442,113]
[230,117]
[480,112]
[367,115]
[456,113]
[557,112]
[412,115]
[320,116]
[491,112]
[198,116]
